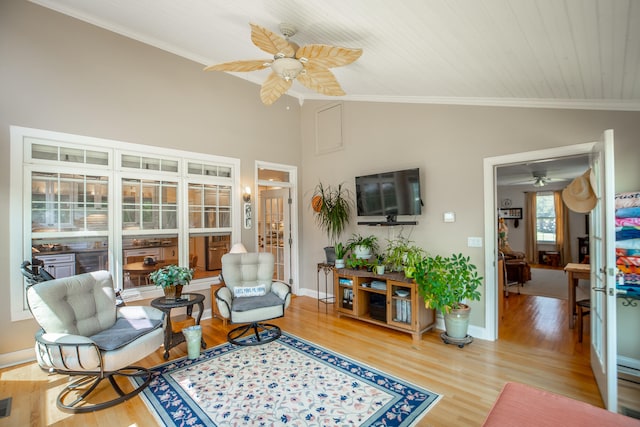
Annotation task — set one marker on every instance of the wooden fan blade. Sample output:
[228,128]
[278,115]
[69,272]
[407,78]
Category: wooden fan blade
[240,66]
[273,88]
[328,56]
[270,42]
[321,80]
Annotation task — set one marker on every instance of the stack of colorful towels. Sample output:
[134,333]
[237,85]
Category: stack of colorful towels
[628,242]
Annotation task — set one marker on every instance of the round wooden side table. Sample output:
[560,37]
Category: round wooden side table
[172,339]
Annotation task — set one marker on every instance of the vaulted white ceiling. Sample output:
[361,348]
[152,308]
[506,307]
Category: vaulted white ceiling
[544,53]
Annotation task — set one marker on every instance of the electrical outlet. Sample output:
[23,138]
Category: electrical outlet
[474,242]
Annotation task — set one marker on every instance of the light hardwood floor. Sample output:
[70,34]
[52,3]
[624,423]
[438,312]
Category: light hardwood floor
[469,378]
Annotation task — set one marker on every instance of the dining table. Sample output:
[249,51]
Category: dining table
[142,267]
[137,272]
[575,273]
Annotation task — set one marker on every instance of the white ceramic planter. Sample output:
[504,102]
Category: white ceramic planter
[362,252]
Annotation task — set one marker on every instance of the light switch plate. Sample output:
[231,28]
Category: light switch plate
[449,217]
[474,242]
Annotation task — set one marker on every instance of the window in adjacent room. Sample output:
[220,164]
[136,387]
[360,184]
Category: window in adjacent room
[545,218]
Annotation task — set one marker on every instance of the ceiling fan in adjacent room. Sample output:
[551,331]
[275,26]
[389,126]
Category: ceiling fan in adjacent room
[540,179]
[308,64]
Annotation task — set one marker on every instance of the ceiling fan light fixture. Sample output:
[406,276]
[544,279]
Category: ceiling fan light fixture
[287,68]
[309,64]
[539,182]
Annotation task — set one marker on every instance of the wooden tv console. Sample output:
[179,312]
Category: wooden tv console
[390,300]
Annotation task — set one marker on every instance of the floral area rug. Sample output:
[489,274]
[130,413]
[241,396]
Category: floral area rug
[286,382]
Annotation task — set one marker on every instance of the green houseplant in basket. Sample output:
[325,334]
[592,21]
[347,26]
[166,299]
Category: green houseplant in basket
[171,279]
[444,283]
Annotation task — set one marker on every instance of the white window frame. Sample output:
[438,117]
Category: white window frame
[20,235]
[545,242]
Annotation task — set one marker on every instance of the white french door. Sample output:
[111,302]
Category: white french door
[275,229]
[603,267]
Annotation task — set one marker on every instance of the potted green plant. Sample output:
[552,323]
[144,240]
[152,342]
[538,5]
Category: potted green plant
[356,263]
[395,253]
[380,261]
[444,283]
[171,278]
[363,246]
[332,207]
[401,254]
[413,255]
[341,251]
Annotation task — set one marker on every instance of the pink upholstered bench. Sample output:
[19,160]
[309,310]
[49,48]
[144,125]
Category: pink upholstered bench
[521,405]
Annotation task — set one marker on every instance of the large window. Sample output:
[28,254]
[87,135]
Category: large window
[81,204]
[545,218]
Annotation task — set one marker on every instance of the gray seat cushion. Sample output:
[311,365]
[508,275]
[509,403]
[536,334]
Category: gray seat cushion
[123,332]
[252,303]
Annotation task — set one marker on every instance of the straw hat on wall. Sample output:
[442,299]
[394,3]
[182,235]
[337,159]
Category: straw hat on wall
[579,196]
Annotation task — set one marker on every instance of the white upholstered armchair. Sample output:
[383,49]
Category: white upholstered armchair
[84,334]
[251,296]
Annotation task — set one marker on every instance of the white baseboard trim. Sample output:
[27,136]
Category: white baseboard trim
[629,362]
[17,357]
[312,293]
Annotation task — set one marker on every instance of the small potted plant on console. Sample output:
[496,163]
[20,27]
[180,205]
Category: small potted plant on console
[341,251]
[379,264]
[395,253]
[171,279]
[444,283]
[363,247]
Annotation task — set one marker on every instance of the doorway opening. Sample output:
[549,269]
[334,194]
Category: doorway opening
[493,203]
[536,251]
[277,220]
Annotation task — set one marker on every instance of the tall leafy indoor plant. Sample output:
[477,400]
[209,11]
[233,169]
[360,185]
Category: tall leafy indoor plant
[332,207]
[445,283]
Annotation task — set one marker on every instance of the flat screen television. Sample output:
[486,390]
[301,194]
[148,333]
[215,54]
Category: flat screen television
[389,194]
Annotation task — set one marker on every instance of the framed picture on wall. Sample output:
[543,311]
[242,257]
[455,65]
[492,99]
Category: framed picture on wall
[510,213]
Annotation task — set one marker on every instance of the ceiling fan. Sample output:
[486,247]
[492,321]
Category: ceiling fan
[308,64]
[540,179]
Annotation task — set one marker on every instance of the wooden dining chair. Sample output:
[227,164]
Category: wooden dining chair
[583,307]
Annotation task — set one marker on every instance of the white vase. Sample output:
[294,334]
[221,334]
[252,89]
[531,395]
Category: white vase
[339,263]
[380,269]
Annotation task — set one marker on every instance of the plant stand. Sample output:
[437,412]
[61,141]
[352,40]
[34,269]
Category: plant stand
[460,342]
